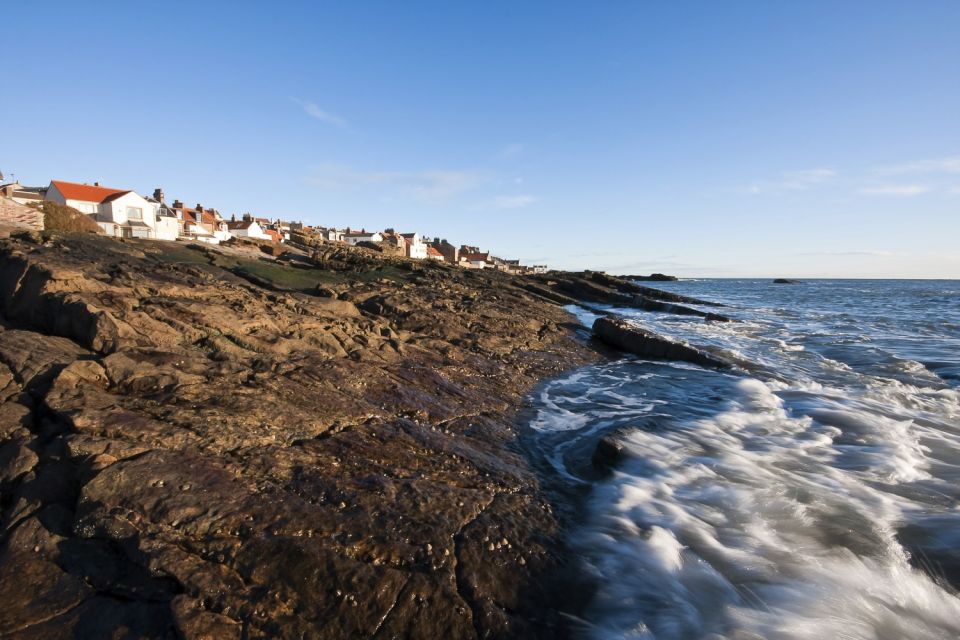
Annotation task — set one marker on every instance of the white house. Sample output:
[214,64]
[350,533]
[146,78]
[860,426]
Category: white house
[247,229]
[355,237]
[416,248]
[128,215]
[118,212]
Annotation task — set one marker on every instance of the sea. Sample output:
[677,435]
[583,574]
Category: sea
[812,494]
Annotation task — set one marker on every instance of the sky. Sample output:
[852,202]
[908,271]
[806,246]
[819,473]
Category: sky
[701,139]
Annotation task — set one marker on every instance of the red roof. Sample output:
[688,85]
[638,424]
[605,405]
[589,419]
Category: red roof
[273,235]
[85,192]
[433,252]
[239,224]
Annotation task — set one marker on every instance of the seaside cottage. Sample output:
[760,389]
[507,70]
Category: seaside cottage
[416,248]
[356,237]
[433,254]
[120,213]
[248,229]
[475,260]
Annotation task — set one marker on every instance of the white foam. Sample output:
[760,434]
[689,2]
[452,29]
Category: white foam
[749,525]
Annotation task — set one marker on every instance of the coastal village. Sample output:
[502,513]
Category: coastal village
[124,213]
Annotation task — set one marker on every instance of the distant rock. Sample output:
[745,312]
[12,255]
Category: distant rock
[785,281]
[619,333]
[653,277]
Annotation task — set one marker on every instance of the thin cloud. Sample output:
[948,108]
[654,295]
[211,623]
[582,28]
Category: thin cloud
[870,253]
[794,181]
[895,190]
[314,111]
[427,186]
[514,202]
[950,164]
[512,150]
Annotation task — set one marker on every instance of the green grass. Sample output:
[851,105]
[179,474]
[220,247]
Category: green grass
[280,276]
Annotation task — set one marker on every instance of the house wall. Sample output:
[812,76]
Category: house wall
[417,248]
[168,228]
[417,251]
[373,237]
[109,228]
[449,252]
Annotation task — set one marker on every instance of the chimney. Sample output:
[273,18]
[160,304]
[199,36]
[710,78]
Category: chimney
[177,204]
[158,195]
[96,184]
[199,207]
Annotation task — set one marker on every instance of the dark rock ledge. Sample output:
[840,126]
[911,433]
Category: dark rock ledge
[625,336]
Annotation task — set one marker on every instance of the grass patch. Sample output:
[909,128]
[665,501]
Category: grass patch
[59,217]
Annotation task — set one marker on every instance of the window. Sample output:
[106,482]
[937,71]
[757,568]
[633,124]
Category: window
[88,207]
[134,213]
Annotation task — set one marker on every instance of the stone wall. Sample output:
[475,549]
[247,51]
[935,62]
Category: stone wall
[14,214]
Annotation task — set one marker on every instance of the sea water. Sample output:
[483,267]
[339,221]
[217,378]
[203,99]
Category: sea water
[815,495]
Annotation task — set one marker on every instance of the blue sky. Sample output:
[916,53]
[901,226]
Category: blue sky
[695,138]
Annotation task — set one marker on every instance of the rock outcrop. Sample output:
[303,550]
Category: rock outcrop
[595,287]
[621,334]
[653,277]
[212,443]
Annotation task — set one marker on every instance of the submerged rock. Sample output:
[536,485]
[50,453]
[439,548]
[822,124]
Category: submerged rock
[619,333]
[608,455]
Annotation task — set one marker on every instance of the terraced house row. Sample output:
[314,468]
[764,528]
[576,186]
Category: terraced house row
[123,213]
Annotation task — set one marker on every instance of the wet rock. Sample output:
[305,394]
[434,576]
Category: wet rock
[608,455]
[619,333]
[648,304]
[785,281]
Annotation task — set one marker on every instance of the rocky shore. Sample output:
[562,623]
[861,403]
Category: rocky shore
[205,443]
[255,442]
